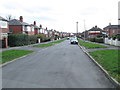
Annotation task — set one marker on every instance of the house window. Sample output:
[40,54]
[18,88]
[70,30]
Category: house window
[32,29]
[25,28]
[113,31]
[3,24]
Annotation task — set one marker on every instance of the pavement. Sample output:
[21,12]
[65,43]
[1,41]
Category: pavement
[60,66]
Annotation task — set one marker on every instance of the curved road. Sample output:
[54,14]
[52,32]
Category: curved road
[60,66]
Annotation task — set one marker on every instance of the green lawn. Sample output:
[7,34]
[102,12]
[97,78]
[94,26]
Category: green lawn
[49,44]
[59,41]
[109,60]
[43,45]
[90,45]
[9,55]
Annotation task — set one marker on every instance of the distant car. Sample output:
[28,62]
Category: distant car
[68,38]
[73,41]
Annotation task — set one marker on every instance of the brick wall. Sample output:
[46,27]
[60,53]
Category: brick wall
[4,30]
[31,33]
[36,31]
[113,31]
[16,29]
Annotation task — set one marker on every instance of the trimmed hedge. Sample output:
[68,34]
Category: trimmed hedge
[92,39]
[43,38]
[116,37]
[21,39]
[99,40]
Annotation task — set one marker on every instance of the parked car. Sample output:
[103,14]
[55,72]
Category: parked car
[73,41]
[68,38]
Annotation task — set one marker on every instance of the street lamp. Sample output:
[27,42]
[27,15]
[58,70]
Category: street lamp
[85,30]
[76,28]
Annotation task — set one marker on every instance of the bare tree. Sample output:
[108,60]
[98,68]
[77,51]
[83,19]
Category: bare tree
[9,17]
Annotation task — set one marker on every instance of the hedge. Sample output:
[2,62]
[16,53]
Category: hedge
[21,39]
[43,38]
[116,37]
[99,40]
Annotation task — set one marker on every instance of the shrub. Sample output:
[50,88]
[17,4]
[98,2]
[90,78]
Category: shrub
[109,37]
[21,39]
[92,39]
[99,40]
[47,39]
[43,38]
[116,37]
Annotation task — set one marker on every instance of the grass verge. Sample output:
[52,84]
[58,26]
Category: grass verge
[43,45]
[49,44]
[89,45]
[109,60]
[59,41]
[9,55]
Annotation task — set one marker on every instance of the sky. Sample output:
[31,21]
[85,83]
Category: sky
[62,15]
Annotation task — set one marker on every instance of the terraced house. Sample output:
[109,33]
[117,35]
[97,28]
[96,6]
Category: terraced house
[4,30]
[20,27]
[35,28]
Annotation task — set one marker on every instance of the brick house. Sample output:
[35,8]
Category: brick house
[4,30]
[85,34]
[94,32]
[36,28]
[50,33]
[41,29]
[112,29]
[20,27]
[45,32]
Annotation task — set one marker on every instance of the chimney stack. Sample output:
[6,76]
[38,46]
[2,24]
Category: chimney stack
[109,24]
[96,26]
[34,22]
[40,26]
[21,19]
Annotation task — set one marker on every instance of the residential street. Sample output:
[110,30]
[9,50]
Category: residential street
[60,66]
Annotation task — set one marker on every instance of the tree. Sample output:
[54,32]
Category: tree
[9,17]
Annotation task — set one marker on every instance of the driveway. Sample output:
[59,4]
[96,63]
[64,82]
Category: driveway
[60,66]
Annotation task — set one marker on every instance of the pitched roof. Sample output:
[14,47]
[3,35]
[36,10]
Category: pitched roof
[36,26]
[95,29]
[17,22]
[112,26]
[3,19]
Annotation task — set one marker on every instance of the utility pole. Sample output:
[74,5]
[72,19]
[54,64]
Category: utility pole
[85,30]
[76,28]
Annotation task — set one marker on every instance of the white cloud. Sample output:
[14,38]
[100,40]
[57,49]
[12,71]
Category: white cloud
[63,14]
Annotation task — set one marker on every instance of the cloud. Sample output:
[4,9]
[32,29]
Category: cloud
[90,11]
[63,14]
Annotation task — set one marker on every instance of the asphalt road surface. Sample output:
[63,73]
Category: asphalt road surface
[60,66]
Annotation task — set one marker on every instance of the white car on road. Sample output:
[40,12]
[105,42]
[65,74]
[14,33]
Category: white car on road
[73,41]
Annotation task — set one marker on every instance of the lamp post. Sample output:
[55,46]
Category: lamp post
[76,29]
[118,21]
[85,30]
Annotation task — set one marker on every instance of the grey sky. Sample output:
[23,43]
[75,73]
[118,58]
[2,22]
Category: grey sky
[62,15]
